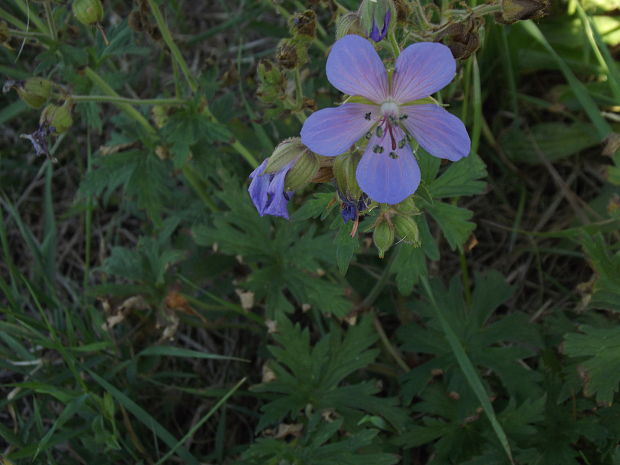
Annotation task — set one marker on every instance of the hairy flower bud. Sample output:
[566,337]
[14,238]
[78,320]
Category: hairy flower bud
[376,17]
[517,10]
[344,171]
[349,23]
[383,235]
[407,230]
[34,91]
[87,11]
[57,117]
[304,24]
[303,172]
[287,151]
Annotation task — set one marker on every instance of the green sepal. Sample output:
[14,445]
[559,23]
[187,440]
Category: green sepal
[287,151]
[303,172]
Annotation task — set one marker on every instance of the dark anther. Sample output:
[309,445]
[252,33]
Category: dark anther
[377,149]
[402,143]
[379,131]
[402,117]
[367,116]
[393,155]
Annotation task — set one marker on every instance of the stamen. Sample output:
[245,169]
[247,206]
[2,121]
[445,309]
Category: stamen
[402,143]
[402,117]
[377,149]
[368,115]
[379,131]
[393,155]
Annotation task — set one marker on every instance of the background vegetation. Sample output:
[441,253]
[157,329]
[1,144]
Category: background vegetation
[149,315]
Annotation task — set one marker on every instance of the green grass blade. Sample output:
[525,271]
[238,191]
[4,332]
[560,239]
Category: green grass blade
[601,52]
[193,430]
[589,106]
[179,352]
[146,419]
[468,370]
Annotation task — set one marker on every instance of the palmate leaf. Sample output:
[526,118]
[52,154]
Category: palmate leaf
[309,375]
[453,222]
[291,255]
[320,445]
[601,349]
[605,291]
[496,345]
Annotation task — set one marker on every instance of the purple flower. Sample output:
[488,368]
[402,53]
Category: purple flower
[388,171]
[377,35]
[267,190]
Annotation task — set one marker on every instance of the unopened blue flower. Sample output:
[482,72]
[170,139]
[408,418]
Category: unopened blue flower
[377,35]
[267,190]
[388,171]
[352,207]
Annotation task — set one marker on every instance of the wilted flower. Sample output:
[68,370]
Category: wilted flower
[351,208]
[291,167]
[39,140]
[267,190]
[397,108]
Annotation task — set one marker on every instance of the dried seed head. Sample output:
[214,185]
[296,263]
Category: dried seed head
[518,10]
[304,24]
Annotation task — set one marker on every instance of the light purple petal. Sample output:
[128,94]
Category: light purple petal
[440,133]
[354,68]
[421,70]
[332,131]
[278,199]
[258,187]
[382,177]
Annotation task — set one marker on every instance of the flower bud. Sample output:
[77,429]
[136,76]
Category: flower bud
[57,117]
[304,171]
[517,10]
[383,235]
[287,151]
[87,11]
[304,25]
[349,23]
[376,16]
[272,82]
[34,91]
[344,171]
[408,207]
[407,230]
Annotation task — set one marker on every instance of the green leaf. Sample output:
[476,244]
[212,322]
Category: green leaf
[453,222]
[346,246]
[601,348]
[461,178]
[555,141]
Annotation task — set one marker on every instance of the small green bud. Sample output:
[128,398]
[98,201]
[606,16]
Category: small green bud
[287,151]
[35,91]
[87,11]
[407,230]
[271,82]
[383,235]
[344,171]
[303,172]
[408,207]
[518,10]
[349,23]
[57,117]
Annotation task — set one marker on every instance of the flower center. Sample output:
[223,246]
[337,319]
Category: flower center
[390,108]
